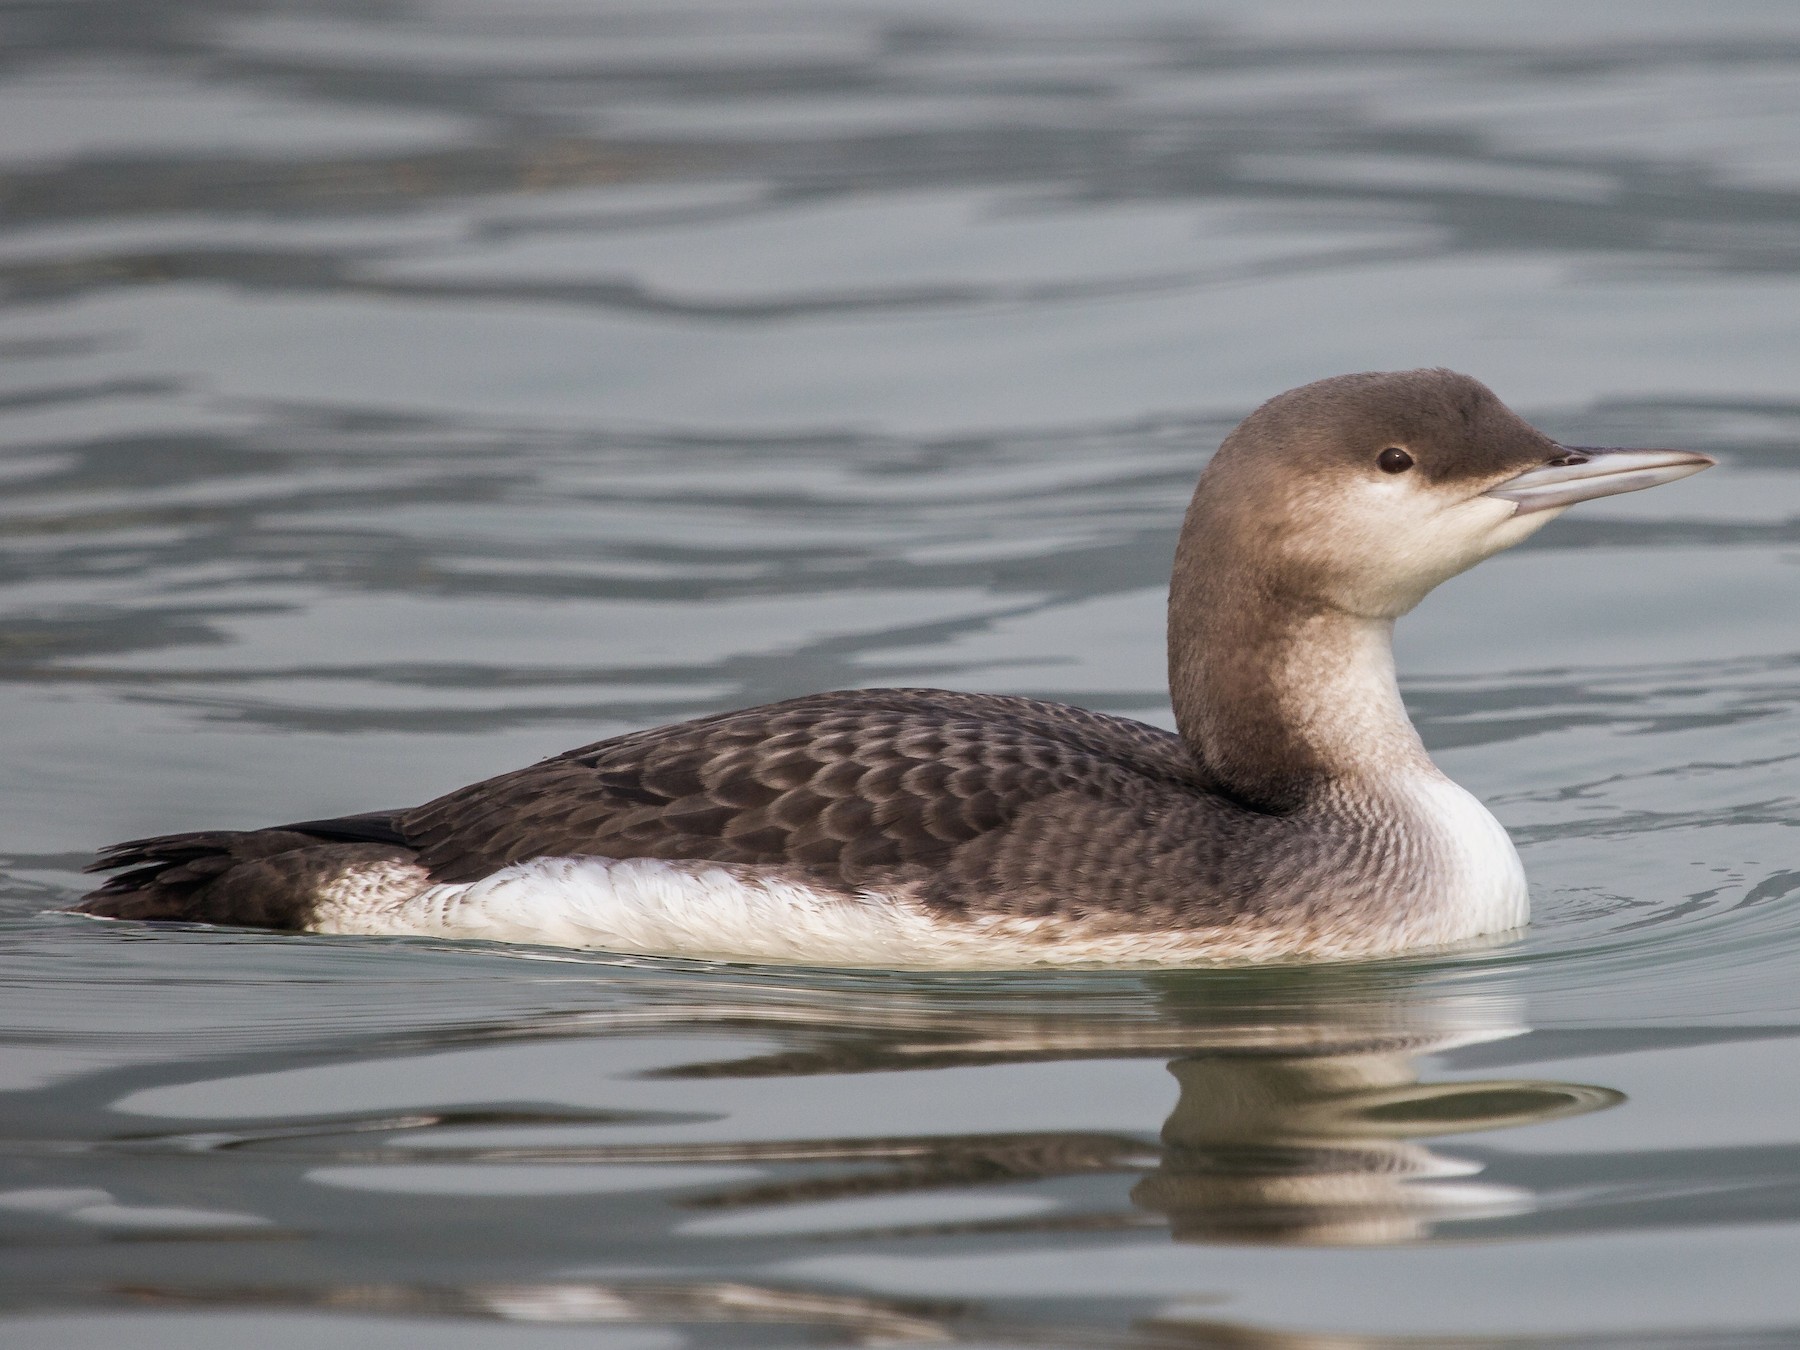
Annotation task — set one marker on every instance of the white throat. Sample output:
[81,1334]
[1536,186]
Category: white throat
[1348,702]
[1339,690]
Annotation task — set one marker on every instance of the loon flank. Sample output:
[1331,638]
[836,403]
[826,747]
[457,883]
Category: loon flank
[1295,816]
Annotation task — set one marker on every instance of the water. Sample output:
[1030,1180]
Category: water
[392,395]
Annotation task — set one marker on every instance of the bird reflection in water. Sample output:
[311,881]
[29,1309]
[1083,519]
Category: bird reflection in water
[1301,1118]
[1326,1149]
[1304,1117]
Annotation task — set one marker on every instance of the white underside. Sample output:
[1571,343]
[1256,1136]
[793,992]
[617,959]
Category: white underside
[701,910]
[705,910]
[1481,868]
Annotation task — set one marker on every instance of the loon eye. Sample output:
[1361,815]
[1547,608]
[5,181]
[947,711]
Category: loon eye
[1394,460]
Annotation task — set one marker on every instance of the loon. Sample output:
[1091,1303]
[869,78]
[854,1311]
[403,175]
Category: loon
[1295,815]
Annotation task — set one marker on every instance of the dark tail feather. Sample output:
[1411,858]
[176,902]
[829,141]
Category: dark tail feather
[260,878]
[156,876]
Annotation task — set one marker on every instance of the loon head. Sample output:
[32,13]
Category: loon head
[1362,492]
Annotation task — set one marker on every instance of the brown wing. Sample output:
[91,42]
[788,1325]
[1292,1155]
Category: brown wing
[847,787]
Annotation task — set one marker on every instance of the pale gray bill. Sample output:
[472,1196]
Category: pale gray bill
[1596,471]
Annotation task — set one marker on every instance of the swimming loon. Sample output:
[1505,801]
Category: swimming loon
[1296,814]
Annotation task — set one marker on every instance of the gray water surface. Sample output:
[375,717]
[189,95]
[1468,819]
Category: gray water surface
[391,395]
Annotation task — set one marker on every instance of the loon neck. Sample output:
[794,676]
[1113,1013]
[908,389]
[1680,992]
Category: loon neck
[1280,699]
